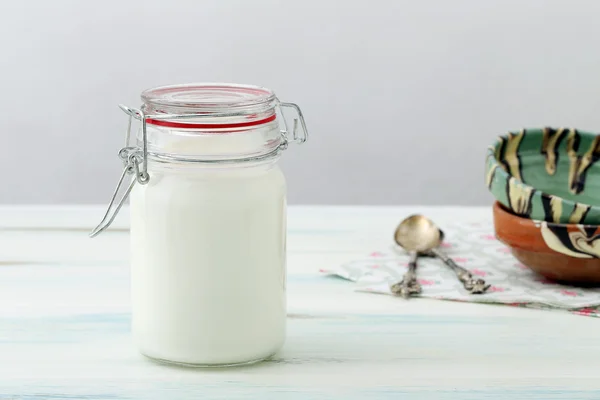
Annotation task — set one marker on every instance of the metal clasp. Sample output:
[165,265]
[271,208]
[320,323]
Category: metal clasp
[299,139]
[142,177]
[133,158]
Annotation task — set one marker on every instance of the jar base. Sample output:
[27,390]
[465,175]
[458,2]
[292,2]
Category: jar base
[193,365]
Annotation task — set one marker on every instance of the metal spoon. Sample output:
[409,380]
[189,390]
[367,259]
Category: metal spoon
[403,237]
[422,235]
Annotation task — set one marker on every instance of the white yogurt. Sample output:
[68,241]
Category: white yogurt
[208,263]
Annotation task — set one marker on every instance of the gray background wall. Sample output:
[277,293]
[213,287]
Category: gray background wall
[401,97]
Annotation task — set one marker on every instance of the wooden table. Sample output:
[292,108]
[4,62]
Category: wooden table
[64,323]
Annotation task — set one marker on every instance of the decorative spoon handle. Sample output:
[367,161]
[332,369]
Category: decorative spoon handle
[408,285]
[473,285]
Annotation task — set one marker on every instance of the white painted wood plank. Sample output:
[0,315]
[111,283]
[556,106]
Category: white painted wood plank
[337,233]
[85,217]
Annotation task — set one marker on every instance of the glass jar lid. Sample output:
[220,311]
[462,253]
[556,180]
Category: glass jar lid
[209,106]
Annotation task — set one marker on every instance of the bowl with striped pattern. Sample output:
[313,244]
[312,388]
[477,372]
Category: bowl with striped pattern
[547,174]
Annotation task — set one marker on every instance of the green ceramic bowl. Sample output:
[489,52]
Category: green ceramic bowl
[547,174]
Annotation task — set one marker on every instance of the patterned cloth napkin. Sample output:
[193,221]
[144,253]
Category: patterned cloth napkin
[473,246]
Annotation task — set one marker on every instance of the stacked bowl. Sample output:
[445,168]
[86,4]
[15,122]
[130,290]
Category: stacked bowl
[547,188]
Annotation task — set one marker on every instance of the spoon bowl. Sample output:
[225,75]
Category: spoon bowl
[418,233]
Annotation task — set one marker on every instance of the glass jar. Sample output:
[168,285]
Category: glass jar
[208,223]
